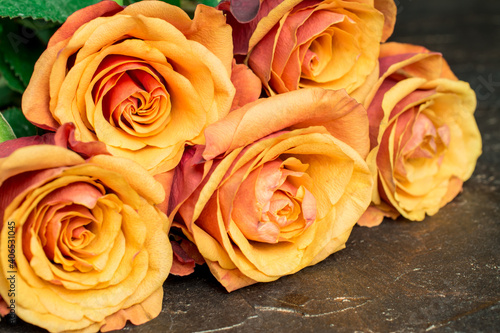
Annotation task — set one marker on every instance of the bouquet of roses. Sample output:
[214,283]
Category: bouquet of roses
[251,136]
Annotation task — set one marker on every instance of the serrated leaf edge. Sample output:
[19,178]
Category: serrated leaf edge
[32,17]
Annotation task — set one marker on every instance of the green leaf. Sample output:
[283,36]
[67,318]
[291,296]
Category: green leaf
[129,2]
[211,3]
[9,75]
[49,10]
[20,49]
[7,95]
[6,132]
[42,29]
[20,125]
[173,2]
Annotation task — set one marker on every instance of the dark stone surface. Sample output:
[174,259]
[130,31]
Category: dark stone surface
[439,275]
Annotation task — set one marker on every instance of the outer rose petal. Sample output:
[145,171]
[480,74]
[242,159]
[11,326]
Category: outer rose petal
[137,314]
[231,279]
[400,49]
[374,216]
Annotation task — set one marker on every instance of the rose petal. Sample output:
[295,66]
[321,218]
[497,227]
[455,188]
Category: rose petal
[247,84]
[333,109]
[137,314]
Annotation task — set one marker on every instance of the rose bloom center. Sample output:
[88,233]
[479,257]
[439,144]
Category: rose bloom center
[273,204]
[132,95]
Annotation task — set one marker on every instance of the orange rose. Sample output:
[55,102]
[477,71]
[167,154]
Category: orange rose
[146,79]
[88,248]
[272,193]
[331,44]
[424,138]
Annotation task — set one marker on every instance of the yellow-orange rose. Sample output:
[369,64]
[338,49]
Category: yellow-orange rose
[82,245]
[424,138]
[332,44]
[274,192]
[146,79]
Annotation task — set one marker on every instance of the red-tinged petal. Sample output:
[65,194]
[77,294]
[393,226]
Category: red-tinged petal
[8,147]
[77,193]
[426,64]
[26,181]
[182,264]
[261,57]
[384,162]
[413,98]
[192,251]
[248,86]
[429,67]
[205,220]
[374,215]
[187,177]
[376,112]
[243,31]
[300,28]
[65,137]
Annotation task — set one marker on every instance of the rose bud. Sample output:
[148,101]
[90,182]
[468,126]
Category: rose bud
[146,79]
[81,231]
[274,192]
[424,138]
